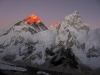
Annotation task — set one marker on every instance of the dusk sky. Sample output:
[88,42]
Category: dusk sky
[49,11]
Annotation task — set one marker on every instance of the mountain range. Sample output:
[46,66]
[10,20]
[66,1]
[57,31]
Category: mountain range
[70,44]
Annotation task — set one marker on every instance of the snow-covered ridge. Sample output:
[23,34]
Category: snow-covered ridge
[84,41]
[35,43]
[73,18]
[57,24]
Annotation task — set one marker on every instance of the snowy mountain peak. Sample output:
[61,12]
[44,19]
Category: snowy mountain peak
[53,25]
[76,12]
[71,44]
[74,18]
[31,19]
[34,21]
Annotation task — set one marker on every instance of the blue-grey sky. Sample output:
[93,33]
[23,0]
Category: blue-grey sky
[49,11]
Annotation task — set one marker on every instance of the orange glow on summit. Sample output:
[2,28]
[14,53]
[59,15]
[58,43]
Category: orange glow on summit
[53,25]
[31,19]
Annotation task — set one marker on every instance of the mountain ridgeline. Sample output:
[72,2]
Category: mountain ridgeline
[71,44]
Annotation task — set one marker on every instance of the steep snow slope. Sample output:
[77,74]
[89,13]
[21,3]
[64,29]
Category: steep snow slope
[71,43]
[23,42]
[84,41]
[18,37]
[34,50]
[87,48]
[13,35]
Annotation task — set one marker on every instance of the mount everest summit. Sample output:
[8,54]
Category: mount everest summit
[71,43]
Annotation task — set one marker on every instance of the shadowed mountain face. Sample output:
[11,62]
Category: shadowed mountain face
[39,26]
[68,45]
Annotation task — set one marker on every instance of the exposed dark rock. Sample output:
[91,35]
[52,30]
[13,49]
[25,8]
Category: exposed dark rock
[65,57]
[18,23]
[1,73]
[9,57]
[39,26]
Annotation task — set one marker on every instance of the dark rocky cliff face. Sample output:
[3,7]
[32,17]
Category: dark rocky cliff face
[63,56]
[39,26]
